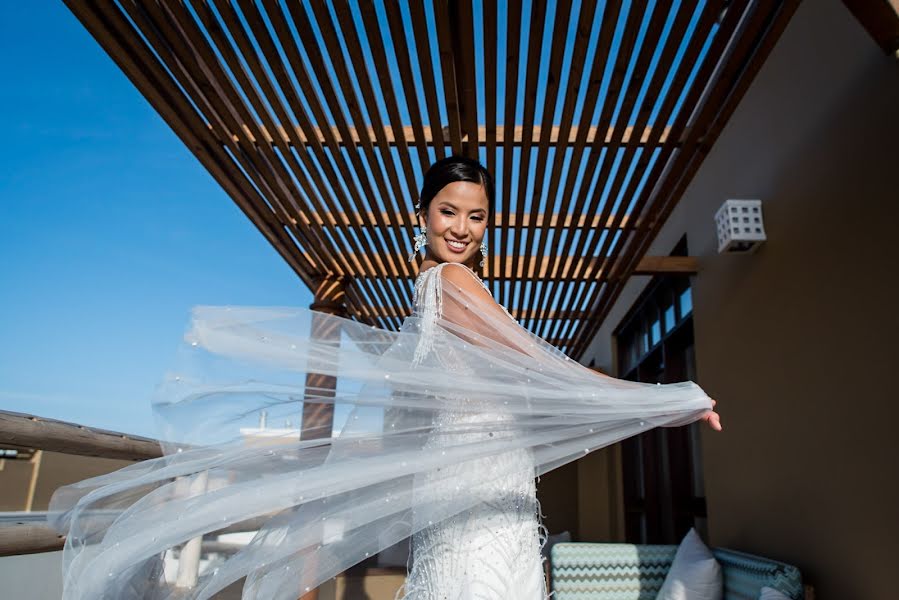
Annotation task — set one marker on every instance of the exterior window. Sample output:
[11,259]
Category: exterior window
[662,471]
[651,325]
[686,303]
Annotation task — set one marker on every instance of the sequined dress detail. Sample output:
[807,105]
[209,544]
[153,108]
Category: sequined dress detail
[492,550]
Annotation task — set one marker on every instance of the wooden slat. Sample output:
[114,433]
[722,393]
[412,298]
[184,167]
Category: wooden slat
[502,235]
[443,20]
[462,38]
[490,41]
[425,62]
[318,193]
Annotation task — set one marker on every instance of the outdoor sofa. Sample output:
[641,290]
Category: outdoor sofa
[597,571]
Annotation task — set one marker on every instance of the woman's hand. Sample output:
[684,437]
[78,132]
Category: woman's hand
[713,418]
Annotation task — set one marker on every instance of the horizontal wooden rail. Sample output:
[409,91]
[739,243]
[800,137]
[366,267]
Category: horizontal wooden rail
[564,269]
[518,313]
[27,533]
[541,221]
[28,538]
[408,135]
[29,431]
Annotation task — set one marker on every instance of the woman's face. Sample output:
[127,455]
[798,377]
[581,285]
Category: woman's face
[457,221]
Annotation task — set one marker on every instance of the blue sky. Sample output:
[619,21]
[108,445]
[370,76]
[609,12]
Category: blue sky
[110,231]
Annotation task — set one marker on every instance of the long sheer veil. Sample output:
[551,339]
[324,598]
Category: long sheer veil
[314,505]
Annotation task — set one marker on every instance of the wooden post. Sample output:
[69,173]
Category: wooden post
[318,417]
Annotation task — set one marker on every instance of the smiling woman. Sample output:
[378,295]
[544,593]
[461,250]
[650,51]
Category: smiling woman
[456,199]
[492,549]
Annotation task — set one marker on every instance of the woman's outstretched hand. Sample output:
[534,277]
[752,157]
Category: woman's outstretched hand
[713,418]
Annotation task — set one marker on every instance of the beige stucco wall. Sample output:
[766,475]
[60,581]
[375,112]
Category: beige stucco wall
[54,470]
[798,342]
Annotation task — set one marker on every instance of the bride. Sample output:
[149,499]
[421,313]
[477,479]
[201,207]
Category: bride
[448,422]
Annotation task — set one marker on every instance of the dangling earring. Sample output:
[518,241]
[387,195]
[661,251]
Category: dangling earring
[483,253]
[421,240]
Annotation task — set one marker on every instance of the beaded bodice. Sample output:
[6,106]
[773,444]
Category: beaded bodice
[493,549]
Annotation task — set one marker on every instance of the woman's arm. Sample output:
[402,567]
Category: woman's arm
[469,307]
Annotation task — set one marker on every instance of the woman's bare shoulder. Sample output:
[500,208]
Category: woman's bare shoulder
[456,273]
[464,278]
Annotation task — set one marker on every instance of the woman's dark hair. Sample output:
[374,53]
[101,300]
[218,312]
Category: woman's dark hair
[456,168]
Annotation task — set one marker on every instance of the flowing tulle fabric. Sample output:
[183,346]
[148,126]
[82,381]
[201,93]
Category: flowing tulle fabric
[394,466]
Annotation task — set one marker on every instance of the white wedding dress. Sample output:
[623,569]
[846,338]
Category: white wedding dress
[490,551]
[444,426]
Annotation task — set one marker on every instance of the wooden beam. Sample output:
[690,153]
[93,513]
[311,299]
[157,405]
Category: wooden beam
[29,431]
[409,137]
[880,18]
[591,269]
[518,313]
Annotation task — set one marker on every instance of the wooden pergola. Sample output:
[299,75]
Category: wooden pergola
[319,123]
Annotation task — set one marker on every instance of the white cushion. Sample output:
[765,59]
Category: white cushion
[769,593]
[694,573]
